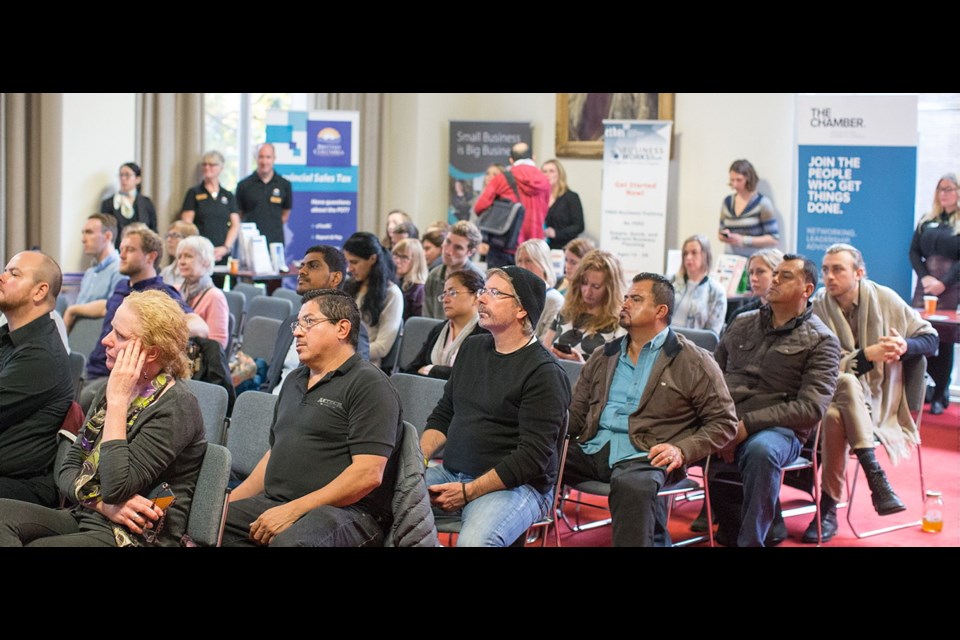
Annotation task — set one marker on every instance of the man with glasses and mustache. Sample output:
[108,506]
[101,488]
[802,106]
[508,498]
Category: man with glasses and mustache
[499,418]
[328,478]
[322,267]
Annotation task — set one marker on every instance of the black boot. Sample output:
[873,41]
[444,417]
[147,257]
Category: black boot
[828,521]
[885,501]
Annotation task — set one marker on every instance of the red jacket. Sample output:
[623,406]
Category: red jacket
[534,188]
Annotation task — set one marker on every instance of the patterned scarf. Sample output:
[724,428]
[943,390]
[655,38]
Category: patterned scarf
[86,486]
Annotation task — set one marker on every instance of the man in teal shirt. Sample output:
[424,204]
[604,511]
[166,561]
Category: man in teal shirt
[645,406]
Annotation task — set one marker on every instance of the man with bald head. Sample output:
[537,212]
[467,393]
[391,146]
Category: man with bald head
[534,190]
[35,384]
[265,197]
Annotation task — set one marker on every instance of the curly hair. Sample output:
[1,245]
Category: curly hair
[163,325]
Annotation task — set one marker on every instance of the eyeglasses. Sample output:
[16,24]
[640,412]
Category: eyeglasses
[495,293]
[946,189]
[211,164]
[127,175]
[400,257]
[452,293]
[308,323]
[174,234]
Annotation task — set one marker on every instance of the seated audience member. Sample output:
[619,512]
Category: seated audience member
[102,276]
[877,330]
[780,364]
[687,413]
[499,419]
[140,249]
[403,231]
[458,247]
[177,232]
[322,267]
[433,247]
[534,256]
[36,388]
[195,259]
[591,309]
[440,349]
[372,287]
[412,270]
[760,268]
[328,477]
[394,218]
[701,301]
[572,255]
[144,436]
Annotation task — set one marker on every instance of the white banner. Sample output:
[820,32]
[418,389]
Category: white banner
[636,163]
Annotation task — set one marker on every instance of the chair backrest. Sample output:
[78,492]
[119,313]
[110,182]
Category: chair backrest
[703,338]
[62,304]
[213,401]
[915,382]
[288,294]
[415,331]
[231,333]
[85,334]
[418,397]
[389,362]
[260,336]
[208,510]
[78,363]
[264,307]
[249,291]
[249,436]
[236,303]
[572,369]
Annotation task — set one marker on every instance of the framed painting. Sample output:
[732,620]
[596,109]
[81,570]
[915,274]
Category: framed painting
[580,118]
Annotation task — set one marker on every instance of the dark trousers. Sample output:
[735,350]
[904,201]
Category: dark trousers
[40,490]
[29,525]
[639,517]
[939,367]
[325,526]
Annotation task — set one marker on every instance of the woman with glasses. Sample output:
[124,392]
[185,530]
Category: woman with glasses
[177,232]
[128,204]
[372,287]
[213,209]
[440,349]
[935,256]
[591,310]
[411,267]
[534,256]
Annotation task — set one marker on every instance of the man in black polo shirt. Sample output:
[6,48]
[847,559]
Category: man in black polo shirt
[35,384]
[266,198]
[328,477]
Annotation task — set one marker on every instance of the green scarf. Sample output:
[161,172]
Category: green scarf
[86,486]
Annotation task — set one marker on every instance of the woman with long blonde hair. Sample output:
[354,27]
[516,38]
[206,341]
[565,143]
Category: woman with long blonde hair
[591,310]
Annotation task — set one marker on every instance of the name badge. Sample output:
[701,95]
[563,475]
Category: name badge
[201,196]
[276,199]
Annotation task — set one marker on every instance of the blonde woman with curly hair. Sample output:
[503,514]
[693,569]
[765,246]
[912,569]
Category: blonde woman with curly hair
[591,310]
[132,471]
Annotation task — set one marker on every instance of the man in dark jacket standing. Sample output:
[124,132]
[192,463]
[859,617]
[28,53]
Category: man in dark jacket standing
[781,364]
[645,406]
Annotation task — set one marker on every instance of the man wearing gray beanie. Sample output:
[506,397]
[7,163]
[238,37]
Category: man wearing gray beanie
[499,419]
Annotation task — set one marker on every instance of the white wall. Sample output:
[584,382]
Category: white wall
[97,135]
[711,130]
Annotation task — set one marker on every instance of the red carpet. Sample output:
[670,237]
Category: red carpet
[941,464]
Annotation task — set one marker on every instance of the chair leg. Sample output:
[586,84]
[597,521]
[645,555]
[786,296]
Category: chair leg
[851,490]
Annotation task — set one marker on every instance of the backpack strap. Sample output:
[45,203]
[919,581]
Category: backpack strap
[512,182]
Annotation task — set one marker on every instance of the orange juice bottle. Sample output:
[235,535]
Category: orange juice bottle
[933,512]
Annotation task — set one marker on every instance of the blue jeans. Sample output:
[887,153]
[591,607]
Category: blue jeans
[761,458]
[496,519]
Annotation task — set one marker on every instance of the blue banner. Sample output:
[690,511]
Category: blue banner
[856,182]
[317,152]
